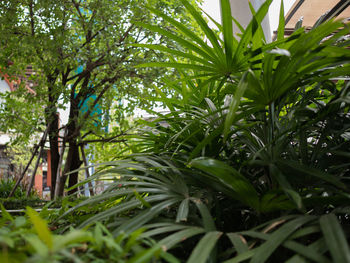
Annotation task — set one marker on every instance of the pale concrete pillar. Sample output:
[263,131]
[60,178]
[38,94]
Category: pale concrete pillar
[241,12]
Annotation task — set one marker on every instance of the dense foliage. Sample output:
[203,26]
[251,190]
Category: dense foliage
[29,239]
[250,163]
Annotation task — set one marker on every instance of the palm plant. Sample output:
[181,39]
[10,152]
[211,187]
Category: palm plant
[252,158]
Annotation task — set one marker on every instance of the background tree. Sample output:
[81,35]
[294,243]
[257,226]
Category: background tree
[79,51]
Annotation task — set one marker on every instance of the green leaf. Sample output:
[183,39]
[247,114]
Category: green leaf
[278,237]
[297,259]
[243,189]
[303,169]
[171,240]
[40,227]
[39,246]
[185,30]
[175,52]
[146,255]
[5,215]
[177,66]
[188,44]
[213,38]
[239,243]
[182,212]
[242,257]
[208,221]
[207,140]
[310,252]
[287,188]
[141,199]
[335,238]
[249,32]
[162,228]
[226,18]
[72,237]
[281,24]
[204,247]
[236,100]
[145,216]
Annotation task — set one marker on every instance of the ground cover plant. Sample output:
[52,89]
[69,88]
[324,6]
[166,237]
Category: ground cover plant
[29,239]
[250,163]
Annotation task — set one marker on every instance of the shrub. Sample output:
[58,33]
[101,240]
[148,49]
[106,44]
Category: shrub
[252,163]
[29,239]
[6,185]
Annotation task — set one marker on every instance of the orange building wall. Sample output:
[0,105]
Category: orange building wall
[49,168]
[38,184]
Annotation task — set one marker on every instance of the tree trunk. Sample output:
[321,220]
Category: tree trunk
[54,149]
[73,162]
[74,165]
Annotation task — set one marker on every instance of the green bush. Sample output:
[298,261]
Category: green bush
[252,162]
[6,186]
[22,202]
[29,239]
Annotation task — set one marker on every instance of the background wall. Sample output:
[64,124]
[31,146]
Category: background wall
[240,11]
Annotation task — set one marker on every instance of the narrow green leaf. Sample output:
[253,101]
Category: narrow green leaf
[296,259]
[226,18]
[176,65]
[146,255]
[213,38]
[248,32]
[285,185]
[236,100]
[40,227]
[175,52]
[5,215]
[277,238]
[231,178]
[185,43]
[72,237]
[170,241]
[208,221]
[204,247]
[161,230]
[281,24]
[303,169]
[145,216]
[182,213]
[39,246]
[181,27]
[242,257]
[141,199]
[238,242]
[335,238]
[207,140]
[309,252]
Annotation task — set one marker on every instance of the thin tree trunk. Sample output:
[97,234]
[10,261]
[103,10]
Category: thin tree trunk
[42,144]
[73,162]
[57,175]
[54,151]
[74,165]
[24,171]
[86,169]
